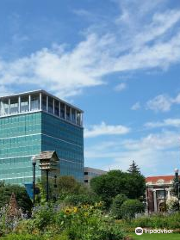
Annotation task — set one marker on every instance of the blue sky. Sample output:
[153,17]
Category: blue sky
[116,60]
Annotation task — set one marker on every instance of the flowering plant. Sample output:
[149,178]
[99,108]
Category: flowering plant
[172,203]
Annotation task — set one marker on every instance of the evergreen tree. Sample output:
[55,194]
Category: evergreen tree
[133,168]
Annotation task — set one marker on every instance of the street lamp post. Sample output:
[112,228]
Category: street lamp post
[55,181]
[34,177]
[177,184]
[55,187]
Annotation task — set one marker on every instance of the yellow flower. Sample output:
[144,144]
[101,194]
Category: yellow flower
[75,209]
[67,211]
[86,206]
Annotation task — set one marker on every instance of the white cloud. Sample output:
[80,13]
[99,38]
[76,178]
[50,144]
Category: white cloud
[104,129]
[162,103]
[161,22]
[136,106]
[150,153]
[108,47]
[170,122]
[120,87]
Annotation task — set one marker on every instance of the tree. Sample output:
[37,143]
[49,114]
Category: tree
[23,200]
[66,185]
[133,168]
[117,182]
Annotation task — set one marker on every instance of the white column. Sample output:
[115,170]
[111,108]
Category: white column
[169,194]
[155,201]
[81,119]
[19,104]
[29,103]
[40,101]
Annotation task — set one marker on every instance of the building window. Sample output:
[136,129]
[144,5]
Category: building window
[62,110]
[50,104]
[14,105]
[44,102]
[35,102]
[85,173]
[25,104]
[67,113]
[4,107]
[79,118]
[73,115]
[161,193]
[56,106]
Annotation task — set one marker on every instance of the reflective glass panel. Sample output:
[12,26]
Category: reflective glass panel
[67,112]
[14,105]
[44,102]
[25,104]
[35,102]
[56,105]
[50,104]
[62,110]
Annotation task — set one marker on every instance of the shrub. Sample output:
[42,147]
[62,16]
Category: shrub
[130,207]
[116,206]
[85,222]
[155,221]
[82,199]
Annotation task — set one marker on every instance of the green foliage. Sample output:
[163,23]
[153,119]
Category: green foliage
[130,207]
[66,185]
[77,200]
[23,200]
[43,216]
[117,182]
[155,222]
[116,205]
[22,237]
[72,223]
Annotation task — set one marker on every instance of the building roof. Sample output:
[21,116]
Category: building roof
[94,170]
[43,92]
[160,179]
[47,155]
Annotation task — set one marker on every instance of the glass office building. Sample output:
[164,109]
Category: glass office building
[37,121]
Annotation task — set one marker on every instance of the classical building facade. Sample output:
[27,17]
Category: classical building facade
[34,122]
[158,190]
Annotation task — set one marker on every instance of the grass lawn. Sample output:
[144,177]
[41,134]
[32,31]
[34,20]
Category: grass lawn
[156,236]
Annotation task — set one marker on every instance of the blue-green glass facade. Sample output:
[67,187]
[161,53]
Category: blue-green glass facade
[67,140]
[24,134]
